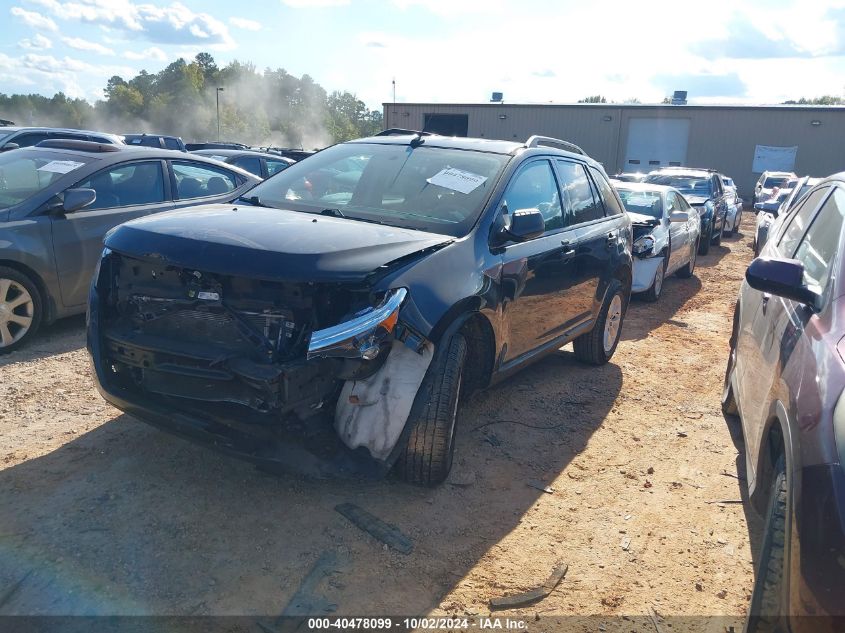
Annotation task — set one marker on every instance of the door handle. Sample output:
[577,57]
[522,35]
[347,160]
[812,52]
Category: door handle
[567,247]
[611,239]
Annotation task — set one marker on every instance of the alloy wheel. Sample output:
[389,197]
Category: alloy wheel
[612,323]
[17,309]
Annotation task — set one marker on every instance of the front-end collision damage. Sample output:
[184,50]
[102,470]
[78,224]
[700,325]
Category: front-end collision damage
[651,242]
[373,408]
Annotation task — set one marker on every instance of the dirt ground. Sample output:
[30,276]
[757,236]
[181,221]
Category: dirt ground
[102,514]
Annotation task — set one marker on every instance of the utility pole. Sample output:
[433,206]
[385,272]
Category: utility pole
[217,94]
[394,102]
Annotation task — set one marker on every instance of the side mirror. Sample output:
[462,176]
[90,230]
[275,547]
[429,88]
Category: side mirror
[76,199]
[679,216]
[781,277]
[525,224]
[9,146]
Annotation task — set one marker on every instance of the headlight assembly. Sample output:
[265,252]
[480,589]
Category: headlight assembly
[363,335]
[644,245]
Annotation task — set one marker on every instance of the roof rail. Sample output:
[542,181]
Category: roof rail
[79,145]
[548,141]
[682,168]
[398,131]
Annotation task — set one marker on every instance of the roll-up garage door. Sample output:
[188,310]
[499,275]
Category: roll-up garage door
[655,143]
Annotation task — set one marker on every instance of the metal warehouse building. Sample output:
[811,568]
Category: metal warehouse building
[739,141]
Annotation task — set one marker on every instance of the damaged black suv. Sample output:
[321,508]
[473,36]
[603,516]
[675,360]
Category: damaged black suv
[330,321]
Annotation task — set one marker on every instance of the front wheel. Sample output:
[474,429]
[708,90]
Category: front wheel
[653,293]
[704,242]
[687,271]
[765,613]
[427,457]
[20,309]
[597,346]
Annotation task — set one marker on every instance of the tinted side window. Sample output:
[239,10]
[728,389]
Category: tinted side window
[126,185]
[252,164]
[800,221]
[535,188]
[28,140]
[611,204]
[275,166]
[818,248]
[197,180]
[172,143]
[577,194]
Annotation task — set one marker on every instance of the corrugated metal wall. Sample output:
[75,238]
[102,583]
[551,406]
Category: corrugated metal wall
[721,137]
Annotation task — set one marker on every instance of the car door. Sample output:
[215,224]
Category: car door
[124,192]
[678,234]
[597,215]
[194,182]
[759,311]
[536,274]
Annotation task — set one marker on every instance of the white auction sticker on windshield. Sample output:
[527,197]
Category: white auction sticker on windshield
[457,180]
[60,166]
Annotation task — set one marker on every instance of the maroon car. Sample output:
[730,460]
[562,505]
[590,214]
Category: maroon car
[785,379]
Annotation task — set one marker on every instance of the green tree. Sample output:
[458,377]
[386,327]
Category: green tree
[593,99]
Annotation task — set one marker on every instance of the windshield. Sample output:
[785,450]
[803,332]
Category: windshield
[425,188]
[687,185]
[775,181]
[24,173]
[642,202]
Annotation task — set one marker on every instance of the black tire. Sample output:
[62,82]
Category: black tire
[653,293]
[767,608]
[704,244]
[33,310]
[729,406]
[728,232]
[687,271]
[427,457]
[590,347]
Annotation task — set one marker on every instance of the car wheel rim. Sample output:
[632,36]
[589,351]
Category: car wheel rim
[16,312]
[613,322]
[658,281]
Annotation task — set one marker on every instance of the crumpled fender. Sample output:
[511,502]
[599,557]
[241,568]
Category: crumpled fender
[373,412]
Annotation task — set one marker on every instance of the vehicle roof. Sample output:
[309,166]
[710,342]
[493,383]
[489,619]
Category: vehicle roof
[692,172]
[778,173]
[150,134]
[58,129]
[448,142]
[644,186]
[126,152]
[241,152]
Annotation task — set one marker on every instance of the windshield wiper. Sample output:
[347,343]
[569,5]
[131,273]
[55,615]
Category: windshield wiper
[335,213]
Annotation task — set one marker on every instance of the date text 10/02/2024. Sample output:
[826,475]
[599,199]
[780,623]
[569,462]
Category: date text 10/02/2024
[417,624]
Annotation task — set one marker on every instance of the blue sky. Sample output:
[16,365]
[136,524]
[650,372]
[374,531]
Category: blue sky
[722,51]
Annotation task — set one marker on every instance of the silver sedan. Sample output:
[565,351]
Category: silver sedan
[666,235]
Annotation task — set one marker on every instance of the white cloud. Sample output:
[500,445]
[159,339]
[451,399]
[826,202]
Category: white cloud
[34,19]
[153,53]
[170,24]
[85,45]
[37,42]
[243,23]
[315,4]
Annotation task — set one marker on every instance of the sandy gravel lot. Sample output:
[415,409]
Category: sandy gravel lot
[105,515]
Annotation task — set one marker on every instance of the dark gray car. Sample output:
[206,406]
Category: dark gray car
[13,137]
[58,200]
[260,164]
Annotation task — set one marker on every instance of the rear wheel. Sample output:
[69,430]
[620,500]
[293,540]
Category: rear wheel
[20,309]
[764,615]
[427,457]
[728,399]
[597,346]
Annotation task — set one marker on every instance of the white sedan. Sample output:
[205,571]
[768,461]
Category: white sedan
[666,235]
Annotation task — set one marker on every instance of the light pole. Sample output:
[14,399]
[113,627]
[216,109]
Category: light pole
[217,94]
